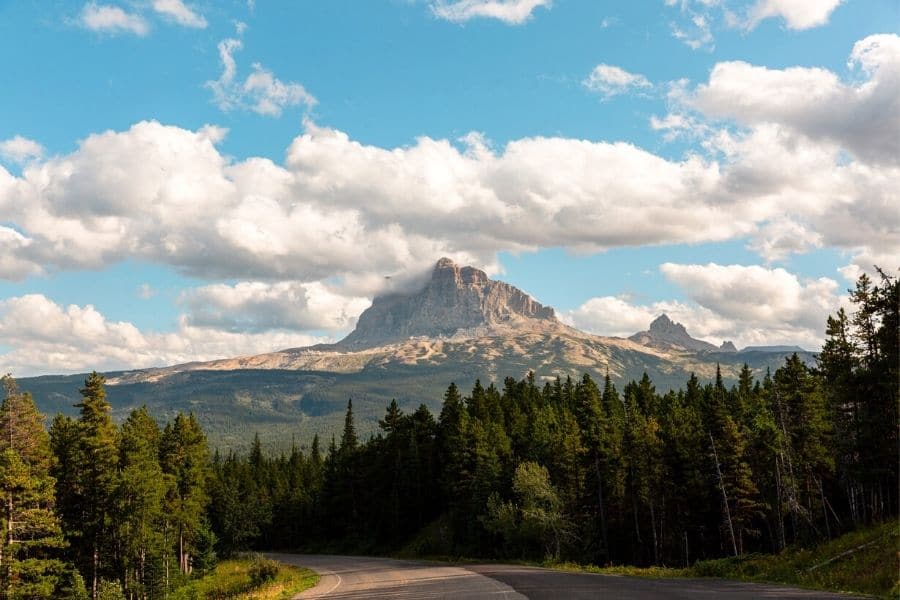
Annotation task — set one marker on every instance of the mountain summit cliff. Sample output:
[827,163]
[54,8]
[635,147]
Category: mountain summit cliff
[454,300]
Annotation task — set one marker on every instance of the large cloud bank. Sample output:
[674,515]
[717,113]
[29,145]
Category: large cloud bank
[787,159]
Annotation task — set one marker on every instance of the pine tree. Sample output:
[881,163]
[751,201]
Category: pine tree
[392,467]
[839,366]
[569,453]
[390,424]
[347,483]
[740,502]
[331,518]
[456,455]
[315,455]
[490,450]
[139,502]
[478,404]
[802,418]
[595,429]
[235,507]
[349,439]
[184,457]
[31,535]
[87,453]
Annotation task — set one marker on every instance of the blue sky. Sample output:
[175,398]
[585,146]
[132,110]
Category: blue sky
[727,162]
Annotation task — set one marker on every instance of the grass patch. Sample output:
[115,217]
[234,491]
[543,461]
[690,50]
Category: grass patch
[630,571]
[253,578]
[866,561]
[869,567]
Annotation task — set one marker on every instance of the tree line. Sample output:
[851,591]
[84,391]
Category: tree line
[565,469]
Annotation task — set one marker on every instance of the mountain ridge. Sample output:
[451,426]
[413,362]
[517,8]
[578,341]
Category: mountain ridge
[456,307]
[458,327]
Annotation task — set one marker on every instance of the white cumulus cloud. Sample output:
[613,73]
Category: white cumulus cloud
[610,80]
[797,14]
[340,208]
[862,117]
[755,295]
[19,149]
[262,306]
[698,20]
[112,19]
[14,265]
[260,92]
[179,12]
[512,12]
[47,337]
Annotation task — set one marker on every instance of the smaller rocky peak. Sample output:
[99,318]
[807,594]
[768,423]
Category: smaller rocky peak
[727,346]
[666,326]
[664,333]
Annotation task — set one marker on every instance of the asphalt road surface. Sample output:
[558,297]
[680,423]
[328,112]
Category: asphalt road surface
[364,577]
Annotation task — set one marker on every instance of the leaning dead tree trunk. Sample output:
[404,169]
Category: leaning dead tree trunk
[724,496]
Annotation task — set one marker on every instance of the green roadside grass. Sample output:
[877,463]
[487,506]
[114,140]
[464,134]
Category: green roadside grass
[248,579]
[866,561]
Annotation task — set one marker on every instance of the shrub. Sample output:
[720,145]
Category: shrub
[262,570]
[109,590]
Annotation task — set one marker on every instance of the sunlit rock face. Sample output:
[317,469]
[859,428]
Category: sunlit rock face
[454,300]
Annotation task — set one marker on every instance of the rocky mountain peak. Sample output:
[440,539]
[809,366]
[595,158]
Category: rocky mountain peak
[448,272]
[456,299]
[727,346]
[666,334]
[663,325]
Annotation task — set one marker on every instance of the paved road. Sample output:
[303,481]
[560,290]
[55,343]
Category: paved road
[363,577]
[345,577]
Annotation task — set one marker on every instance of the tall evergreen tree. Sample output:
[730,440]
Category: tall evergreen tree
[87,452]
[184,457]
[802,418]
[30,532]
[347,459]
[139,503]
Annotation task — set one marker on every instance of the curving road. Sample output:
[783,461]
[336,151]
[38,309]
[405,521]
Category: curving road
[345,577]
[364,577]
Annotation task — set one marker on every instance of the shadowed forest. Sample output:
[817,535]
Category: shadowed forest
[569,470]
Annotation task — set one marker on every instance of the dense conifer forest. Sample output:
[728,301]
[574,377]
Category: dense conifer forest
[574,470]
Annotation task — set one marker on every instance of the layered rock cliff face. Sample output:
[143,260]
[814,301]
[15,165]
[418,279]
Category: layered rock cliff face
[455,300]
[664,334]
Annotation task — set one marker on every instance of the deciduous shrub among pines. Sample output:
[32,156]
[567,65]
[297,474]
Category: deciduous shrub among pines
[262,570]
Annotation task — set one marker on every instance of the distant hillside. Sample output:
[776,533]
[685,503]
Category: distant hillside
[774,349]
